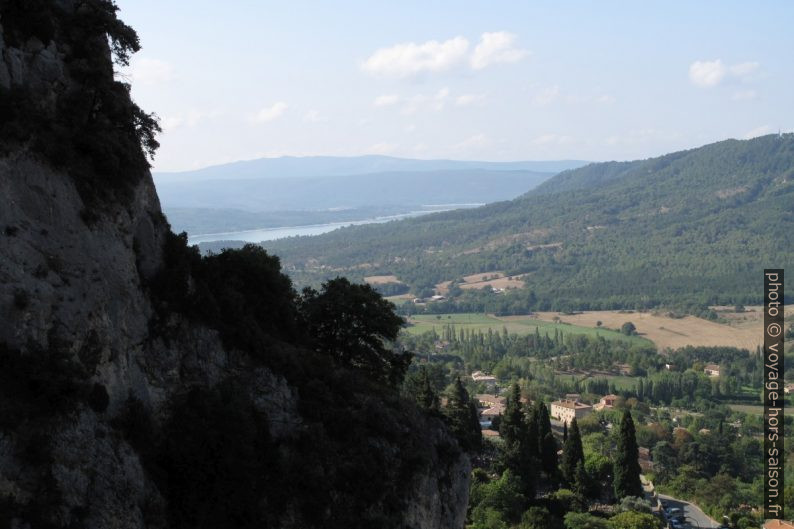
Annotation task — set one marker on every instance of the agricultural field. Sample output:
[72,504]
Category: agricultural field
[671,333]
[621,382]
[491,279]
[521,325]
[755,409]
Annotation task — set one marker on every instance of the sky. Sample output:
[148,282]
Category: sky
[465,79]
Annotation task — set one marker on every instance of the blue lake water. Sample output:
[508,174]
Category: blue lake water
[271,234]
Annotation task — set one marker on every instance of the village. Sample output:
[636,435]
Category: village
[675,513]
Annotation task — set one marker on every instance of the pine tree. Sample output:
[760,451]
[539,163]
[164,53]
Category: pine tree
[626,465]
[572,453]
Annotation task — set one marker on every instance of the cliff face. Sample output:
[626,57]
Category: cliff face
[90,449]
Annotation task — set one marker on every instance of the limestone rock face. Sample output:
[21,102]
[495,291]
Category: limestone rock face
[72,279]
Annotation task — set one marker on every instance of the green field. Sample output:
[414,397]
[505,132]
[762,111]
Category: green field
[521,325]
[755,409]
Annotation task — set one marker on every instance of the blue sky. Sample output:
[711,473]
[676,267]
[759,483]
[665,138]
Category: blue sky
[463,80]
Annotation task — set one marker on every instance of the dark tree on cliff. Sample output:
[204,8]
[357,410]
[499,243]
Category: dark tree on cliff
[626,466]
[572,453]
[89,125]
[351,323]
[461,415]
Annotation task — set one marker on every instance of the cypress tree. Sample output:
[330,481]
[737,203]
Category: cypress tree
[564,431]
[546,441]
[516,454]
[461,414]
[572,453]
[512,428]
[548,455]
[581,483]
[626,465]
[533,433]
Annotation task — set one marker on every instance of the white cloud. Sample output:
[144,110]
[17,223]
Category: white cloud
[494,48]
[270,113]
[605,99]
[763,130]
[711,73]
[744,69]
[386,100]
[707,73]
[468,99]
[150,71]
[409,59]
[191,118]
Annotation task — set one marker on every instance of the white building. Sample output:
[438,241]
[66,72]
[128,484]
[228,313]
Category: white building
[566,410]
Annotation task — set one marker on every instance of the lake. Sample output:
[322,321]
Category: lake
[271,234]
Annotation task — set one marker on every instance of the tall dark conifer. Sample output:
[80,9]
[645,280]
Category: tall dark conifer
[516,452]
[547,443]
[461,417]
[572,453]
[626,465]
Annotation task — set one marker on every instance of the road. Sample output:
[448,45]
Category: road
[694,516]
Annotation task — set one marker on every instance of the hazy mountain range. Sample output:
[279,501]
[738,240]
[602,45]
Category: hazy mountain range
[297,191]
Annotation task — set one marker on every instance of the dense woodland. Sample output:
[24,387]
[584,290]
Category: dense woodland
[691,228]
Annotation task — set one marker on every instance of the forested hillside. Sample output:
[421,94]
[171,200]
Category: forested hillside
[693,227]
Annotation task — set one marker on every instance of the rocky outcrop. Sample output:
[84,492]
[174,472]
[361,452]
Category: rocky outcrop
[73,282]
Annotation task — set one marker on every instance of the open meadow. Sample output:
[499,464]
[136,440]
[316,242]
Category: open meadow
[521,325]
[671,333]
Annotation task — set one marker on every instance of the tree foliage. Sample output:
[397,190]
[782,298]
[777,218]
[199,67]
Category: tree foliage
[90,126]
[462,417]
[572,453]
[351,323]
[627,467]
[680,231]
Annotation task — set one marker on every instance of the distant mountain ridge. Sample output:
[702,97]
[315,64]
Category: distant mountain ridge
[405,188]
[300,191]
[695,226]
[320,166]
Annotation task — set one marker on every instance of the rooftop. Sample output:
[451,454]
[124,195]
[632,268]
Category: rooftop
[571,404]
